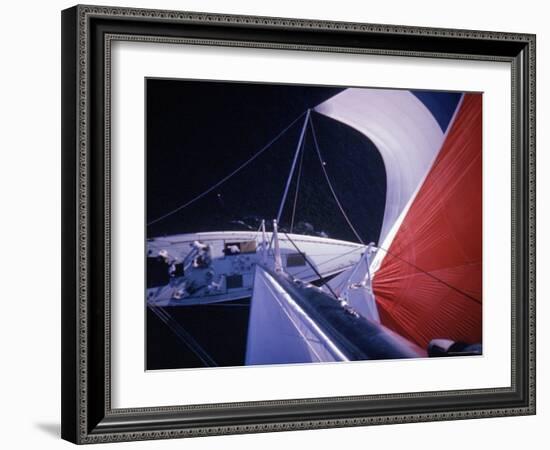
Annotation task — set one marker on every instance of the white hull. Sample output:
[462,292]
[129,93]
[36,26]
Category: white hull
[231,276]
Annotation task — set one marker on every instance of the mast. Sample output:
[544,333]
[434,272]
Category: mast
[293,167]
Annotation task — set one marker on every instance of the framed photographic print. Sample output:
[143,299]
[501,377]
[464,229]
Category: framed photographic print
[277,224]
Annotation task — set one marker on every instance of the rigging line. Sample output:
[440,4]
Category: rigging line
[306,259]
[228,305]
[258,231]
[183,336]
[330,184]
[227,177]
[292,320]
[454,288]
[358,237]
[341,284]
[293,166]
[297,184]
[332,259]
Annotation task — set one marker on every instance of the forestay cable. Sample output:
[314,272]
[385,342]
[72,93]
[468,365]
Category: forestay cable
[330,184]
[297,186]
[306,259]
[465,294]
[429,274]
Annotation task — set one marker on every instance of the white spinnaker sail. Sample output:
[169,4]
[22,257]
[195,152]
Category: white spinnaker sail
[408,138]
[403,130]
[280,332]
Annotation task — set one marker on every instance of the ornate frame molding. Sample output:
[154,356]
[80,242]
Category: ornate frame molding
[84,422]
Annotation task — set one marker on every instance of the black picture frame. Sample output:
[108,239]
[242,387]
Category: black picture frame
[87,33]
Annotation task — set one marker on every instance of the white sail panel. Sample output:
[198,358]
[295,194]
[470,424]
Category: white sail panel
[405,133]
[354,286]
[279,332]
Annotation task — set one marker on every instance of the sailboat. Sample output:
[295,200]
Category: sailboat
[414,293]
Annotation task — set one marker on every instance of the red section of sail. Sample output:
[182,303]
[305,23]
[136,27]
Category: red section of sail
[429,284]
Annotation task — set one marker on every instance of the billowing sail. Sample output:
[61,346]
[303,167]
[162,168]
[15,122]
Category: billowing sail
[403,130]
[429,284]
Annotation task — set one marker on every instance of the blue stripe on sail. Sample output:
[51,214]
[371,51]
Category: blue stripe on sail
[442,105]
